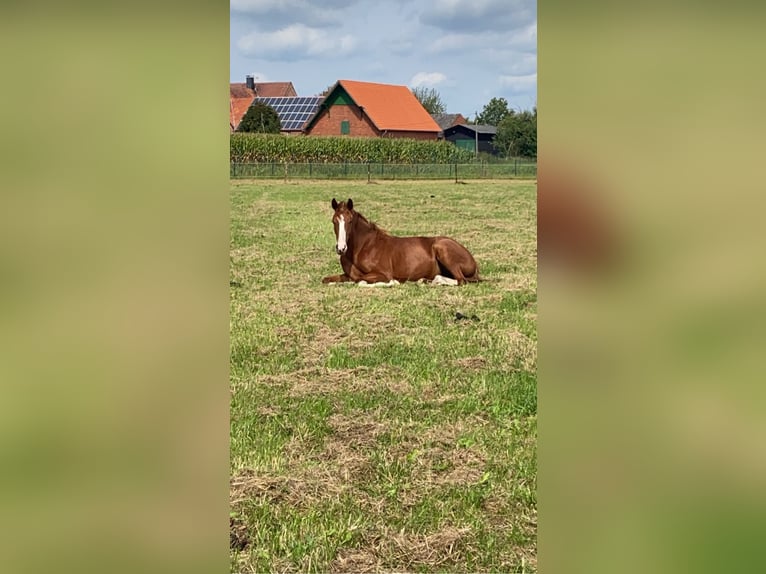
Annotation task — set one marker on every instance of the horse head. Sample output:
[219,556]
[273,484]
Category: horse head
[341,220]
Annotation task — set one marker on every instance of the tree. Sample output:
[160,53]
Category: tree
[494,112]
[517,135]
[260,118]
[430,99]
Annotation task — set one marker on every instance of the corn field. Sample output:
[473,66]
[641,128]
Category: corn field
[264,148]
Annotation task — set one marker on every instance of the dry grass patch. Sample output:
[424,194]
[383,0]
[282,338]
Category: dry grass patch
[326,381]
[522,350]
[473,363]
[356,560]
[398,551]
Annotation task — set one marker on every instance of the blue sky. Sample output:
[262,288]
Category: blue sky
[468,50]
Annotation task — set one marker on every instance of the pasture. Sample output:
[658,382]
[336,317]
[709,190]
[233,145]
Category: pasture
[390,428]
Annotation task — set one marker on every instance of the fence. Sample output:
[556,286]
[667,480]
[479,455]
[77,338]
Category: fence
[275,170]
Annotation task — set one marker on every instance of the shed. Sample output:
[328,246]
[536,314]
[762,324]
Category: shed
[447,121]
[467,136]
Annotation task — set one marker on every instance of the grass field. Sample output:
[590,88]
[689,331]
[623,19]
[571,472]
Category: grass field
[371,430]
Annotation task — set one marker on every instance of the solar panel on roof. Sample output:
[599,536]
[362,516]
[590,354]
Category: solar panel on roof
[293,112]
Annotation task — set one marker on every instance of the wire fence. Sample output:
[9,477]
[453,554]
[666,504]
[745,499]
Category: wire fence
[522,169]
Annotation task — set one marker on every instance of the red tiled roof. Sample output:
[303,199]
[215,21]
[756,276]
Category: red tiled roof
[237,110]
[240,97]
[263,89]
[390,107]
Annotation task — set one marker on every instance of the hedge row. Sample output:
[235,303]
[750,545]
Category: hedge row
[256,148]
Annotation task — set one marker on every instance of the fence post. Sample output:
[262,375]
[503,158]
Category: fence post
[515,166]
[368,172]
[309,169]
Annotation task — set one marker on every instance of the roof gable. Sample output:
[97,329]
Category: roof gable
[389,107]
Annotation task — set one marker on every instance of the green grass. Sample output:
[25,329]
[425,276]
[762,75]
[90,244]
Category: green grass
[370,430]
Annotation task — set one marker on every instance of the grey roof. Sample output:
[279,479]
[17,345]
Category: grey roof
[482,129]
[445,120]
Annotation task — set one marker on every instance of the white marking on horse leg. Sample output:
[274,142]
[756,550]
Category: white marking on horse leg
[341,245]
[391,283]
[446,281]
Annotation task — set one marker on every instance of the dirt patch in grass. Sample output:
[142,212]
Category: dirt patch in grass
[522,351]
[362,379]
[356,560]
[471,363]
[347,449]
[316,347]
[303,487]
[404,552]
[238,536]
[249,485]
[431,550]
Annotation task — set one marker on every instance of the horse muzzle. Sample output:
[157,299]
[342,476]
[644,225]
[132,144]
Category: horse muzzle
[340,251]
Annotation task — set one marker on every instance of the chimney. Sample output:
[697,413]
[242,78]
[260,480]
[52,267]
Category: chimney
[250,81]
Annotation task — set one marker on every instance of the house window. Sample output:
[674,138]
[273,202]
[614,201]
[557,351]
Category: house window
[345,128]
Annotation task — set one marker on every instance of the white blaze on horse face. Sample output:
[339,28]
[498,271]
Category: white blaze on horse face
[341,246]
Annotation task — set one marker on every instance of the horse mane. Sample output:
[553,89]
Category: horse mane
[375,227]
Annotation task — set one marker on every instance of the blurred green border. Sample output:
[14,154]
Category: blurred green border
[114,257]
[650,389]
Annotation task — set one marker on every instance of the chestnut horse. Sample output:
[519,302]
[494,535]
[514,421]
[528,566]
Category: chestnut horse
[370,254]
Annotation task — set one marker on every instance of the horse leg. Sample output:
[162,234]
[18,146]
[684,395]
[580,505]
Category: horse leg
[336,279]
[374,277]
[454,262]
[442,280]
[451,267]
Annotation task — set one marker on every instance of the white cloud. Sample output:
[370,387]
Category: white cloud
[427,79]
[264,6]
[519,84]
[453,43]
[294,42]
[480,15]
[520,40]
[328,12]
[511,62]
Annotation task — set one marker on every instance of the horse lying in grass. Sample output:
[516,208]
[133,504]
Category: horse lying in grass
[370,255]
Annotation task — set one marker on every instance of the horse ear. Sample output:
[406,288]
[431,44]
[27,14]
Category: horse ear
[350,203]
[334,203]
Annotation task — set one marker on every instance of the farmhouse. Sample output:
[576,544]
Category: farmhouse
[241,96]
[467,136]
[365,109]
